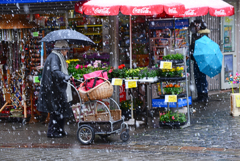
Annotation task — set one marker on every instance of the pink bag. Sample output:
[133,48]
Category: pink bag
[91,79]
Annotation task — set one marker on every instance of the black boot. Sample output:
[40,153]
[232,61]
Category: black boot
[205,97]
[199,98]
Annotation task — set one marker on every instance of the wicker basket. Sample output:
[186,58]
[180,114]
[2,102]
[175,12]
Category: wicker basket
[101,91]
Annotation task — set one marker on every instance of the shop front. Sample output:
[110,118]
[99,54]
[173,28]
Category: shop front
[23,24]
[138,42]
[229,46]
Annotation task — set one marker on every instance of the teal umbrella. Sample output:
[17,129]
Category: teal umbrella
[208,56]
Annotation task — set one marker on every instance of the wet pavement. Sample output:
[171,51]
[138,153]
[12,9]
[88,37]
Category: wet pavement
[213,134]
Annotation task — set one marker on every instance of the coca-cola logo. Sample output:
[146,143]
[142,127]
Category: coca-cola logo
[141,10]
[190,12]
[220,12]
[101,11]
[172,10]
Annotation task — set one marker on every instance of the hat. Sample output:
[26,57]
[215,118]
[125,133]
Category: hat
[61,45]
[203,26]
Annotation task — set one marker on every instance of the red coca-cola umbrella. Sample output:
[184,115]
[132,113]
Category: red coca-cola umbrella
[163,8]
[130,7]
[216,8]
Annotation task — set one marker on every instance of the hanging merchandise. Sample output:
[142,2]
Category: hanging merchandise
[166,36]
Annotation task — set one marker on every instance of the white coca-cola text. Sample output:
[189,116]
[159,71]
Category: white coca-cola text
[142,10]
[172,10]
[101,10]
[220,12]
[190,12]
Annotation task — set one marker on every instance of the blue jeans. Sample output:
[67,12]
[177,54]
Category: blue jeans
[200,80]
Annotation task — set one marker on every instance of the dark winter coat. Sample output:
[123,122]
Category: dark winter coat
[52,95]
[195,37]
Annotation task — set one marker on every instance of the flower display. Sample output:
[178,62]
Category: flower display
[234,80]
[172,89]
[174,72]
[77,70]
[170,116]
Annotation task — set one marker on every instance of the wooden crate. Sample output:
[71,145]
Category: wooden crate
[235,111]
[116,114]
[100,116]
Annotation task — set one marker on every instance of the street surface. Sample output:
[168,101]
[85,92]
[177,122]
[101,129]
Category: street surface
[213,135]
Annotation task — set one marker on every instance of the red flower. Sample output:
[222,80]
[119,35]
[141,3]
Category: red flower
[81,66]
[121,66]
[110,71]
[85,66]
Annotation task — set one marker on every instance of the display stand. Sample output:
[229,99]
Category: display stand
[36,56]
[178,79]
[148,83]
[14,94]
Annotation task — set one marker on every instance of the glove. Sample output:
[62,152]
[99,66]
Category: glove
[67,77]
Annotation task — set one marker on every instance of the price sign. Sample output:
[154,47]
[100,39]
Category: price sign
[170,98]
[35,34]
[165,65]
[117,82]
[131,84]
[237,97]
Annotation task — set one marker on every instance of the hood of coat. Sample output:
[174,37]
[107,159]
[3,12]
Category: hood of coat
[205,31]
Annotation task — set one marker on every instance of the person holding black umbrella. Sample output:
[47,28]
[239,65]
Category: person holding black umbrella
[55,94]
[199,29]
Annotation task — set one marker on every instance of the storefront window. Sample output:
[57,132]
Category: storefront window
[228,66]
[140,45]
[228,34]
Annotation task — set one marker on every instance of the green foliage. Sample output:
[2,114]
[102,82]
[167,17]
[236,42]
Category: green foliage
[172,117]
[125,105]
[173,57]
[172,90]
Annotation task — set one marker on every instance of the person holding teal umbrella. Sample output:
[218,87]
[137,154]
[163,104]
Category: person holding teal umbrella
[199,29]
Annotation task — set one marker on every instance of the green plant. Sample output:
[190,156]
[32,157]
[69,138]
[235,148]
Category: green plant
[178,56]
[115,73]
[152,73]
[122,73]
[172,89]
[125,105]
[170,116]
[173,57]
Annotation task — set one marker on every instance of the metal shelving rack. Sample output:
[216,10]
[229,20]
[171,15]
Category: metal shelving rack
[186,96]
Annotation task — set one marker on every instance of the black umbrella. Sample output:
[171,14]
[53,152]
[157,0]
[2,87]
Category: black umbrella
[71,36]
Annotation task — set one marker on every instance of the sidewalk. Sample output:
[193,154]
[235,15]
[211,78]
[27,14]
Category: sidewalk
[212,128]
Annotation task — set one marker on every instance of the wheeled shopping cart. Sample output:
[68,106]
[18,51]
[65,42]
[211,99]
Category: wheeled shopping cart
[102,120]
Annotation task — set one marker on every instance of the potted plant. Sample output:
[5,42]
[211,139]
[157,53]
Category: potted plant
[128,75]
[172,89]
[125,107]
[115,73]
[136,74]
[170,118]
[122,73]
[177,58]
[179,72]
